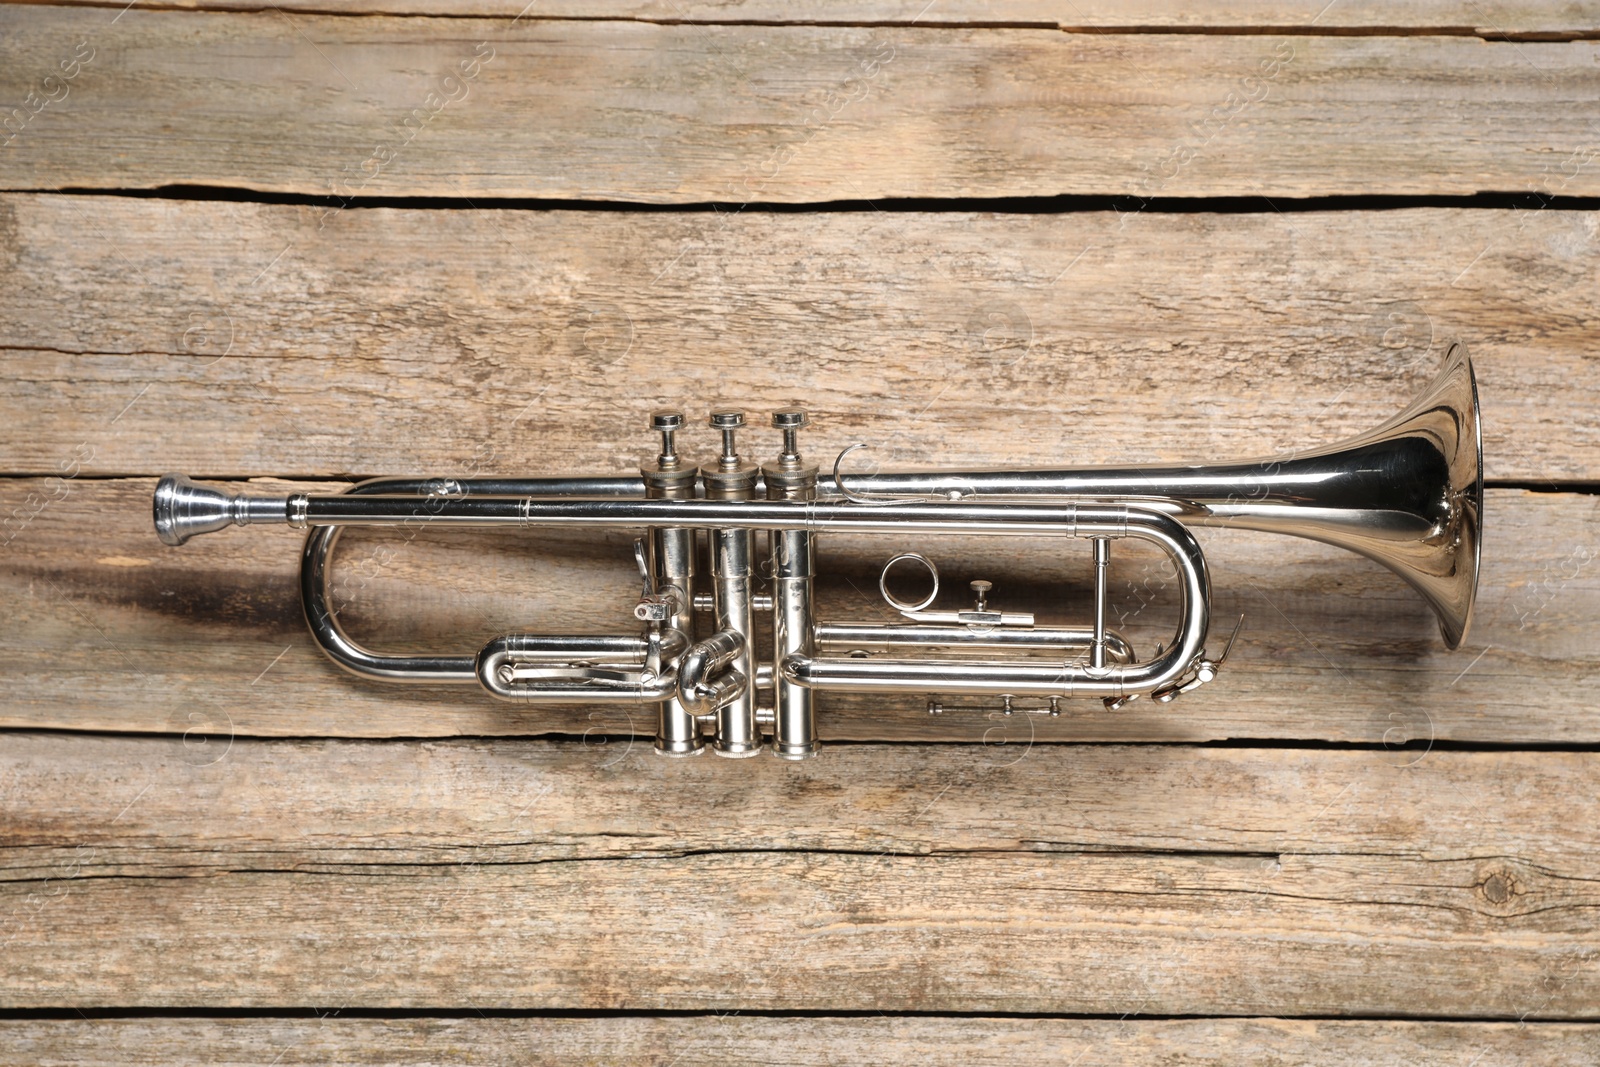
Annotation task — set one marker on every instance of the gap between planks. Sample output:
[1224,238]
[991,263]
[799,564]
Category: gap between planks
[701,1040]
[1526,22]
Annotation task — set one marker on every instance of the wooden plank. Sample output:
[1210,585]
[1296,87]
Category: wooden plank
[697,1040]
[110,630]
[688,113]
[1077,934]
[1537,19]
[357,804]
[532,875]
[272,340]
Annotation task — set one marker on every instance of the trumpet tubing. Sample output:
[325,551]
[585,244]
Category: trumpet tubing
[1408,495]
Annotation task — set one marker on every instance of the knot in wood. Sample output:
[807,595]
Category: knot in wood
[1498,885]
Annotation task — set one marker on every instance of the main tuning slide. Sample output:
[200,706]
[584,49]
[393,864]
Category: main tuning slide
[1407,495]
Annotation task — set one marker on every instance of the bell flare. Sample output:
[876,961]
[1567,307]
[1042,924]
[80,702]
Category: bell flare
[1443,565]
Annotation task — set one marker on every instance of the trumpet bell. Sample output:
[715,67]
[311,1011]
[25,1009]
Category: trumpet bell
[1439,437]
[1407,494]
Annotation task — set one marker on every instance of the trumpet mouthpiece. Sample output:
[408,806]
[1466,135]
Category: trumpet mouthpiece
[182,509]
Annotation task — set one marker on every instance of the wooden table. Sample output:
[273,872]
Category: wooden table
[458,237]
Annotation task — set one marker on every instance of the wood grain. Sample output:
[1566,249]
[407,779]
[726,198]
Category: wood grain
[319,104]
[271,340]
[700,1040]
[216,818]
[110,630]
[1533,19]
[158,807]
[517,875]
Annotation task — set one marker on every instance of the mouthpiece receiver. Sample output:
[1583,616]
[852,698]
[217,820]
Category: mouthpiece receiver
[183,509]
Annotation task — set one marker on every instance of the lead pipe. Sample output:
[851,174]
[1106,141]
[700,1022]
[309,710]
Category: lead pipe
[1002,519]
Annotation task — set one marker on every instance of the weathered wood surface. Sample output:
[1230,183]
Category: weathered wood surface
[703,1040]
[245,339]
[1534,19]
[157,808]
[526,874]
[110,630]
[625,110]
[203,868]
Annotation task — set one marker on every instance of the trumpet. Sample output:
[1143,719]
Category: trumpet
[1407,494]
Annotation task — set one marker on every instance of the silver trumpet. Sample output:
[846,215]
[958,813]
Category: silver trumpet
[1408,495]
